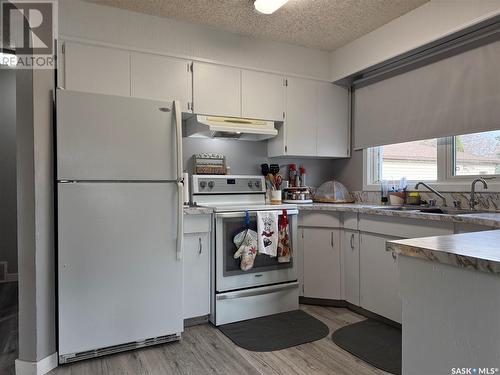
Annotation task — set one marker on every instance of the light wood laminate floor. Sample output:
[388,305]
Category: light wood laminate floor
[205,350]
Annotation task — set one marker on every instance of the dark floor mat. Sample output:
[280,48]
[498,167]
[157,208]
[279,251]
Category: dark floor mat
[374,342]
[275,332]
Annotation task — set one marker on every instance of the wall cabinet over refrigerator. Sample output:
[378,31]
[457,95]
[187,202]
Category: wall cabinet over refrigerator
[161,78]
[316,121]
[100,70]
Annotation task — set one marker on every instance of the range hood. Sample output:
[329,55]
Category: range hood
[201,126]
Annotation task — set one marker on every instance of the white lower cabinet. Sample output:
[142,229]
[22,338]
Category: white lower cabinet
[379,279]
[350,266]
[321,263]
[196,275]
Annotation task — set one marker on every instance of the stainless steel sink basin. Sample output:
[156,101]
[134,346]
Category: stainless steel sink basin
[434,210]
[399,208]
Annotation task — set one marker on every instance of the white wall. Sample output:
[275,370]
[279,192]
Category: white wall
[432,21]
[245,157]
[91,22]
[35,214]
[8,210]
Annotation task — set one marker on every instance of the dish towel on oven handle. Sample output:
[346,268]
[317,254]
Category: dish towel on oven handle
[284,249]
[267,229]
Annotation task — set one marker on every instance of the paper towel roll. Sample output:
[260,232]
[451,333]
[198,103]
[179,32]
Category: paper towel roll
[185,176]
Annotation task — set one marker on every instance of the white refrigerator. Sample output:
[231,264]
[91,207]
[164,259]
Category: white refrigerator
[119,223]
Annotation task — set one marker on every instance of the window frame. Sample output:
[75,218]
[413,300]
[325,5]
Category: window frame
[446,181]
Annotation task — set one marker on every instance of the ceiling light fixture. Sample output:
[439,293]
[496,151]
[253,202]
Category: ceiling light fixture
[268,6]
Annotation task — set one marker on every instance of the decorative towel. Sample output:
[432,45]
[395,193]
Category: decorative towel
[246,242]
[267,229]
[284,249]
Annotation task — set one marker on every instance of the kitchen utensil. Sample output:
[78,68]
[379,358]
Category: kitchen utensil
[277,181]
[274,169]
[264,168]
[270,178]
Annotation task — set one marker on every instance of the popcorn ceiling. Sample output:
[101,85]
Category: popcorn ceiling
[320,24]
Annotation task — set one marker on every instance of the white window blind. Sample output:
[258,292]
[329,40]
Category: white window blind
[457,95]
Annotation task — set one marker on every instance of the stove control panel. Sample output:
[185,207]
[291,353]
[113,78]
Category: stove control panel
[228,184]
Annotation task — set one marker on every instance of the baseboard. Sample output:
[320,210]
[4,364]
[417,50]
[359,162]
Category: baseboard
[41,367]
[196,321]
[322,302]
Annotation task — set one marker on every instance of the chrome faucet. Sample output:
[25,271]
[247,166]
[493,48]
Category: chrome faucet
[472,200]
[433,190]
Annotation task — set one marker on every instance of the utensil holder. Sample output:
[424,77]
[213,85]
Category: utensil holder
[275,196]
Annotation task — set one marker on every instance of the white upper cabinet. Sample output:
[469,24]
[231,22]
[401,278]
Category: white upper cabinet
[216,90]
[161,78]
[333,134]
[301,117]
[316,121]
[262,95]
[96,69]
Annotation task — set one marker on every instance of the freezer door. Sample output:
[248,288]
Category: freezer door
[106,137]
[119,277]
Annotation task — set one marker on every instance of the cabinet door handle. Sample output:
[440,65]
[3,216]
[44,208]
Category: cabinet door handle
[394,255]
[331,240]
[352,241]
[200,246]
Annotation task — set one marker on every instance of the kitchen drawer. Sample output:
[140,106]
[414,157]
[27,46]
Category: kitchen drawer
[197,223]
[319,219]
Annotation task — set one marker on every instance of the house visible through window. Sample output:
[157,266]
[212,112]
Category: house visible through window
[413,160]
[477,154]
[451,160]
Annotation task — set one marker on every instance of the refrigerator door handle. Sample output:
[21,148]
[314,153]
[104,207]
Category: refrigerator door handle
[180,185]
[180,221]
[178,132]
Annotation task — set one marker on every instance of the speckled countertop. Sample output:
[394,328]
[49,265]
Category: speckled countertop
[197,210]
[476,251]
[490,219]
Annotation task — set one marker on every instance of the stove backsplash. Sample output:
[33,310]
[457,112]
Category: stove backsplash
[487,201]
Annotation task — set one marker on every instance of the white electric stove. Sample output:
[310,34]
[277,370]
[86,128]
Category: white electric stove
[269,287]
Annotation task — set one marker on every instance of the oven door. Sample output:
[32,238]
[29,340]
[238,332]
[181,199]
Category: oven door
[266,270]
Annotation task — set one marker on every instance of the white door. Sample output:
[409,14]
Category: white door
[196,263]
[262,95]
[301,117]
[322,263]
[161,78]
[333,120]
[106,137]
[119,278]
[350,266]
[216,90]
[96,69]
[379,279]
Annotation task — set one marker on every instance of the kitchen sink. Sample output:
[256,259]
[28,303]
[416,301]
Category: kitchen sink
[399,208]
[435,210]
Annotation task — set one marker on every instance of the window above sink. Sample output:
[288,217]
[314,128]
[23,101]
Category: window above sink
[449,164]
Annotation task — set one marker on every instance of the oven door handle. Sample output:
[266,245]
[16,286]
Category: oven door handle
[257,291]
[242,214]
